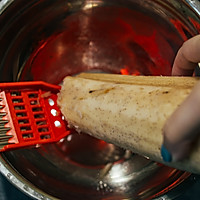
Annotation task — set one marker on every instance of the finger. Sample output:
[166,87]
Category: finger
[187,57]
[183,127]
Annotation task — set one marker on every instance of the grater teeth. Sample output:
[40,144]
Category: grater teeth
[3,125]
[3,132]
[2,114]
[2,106]
[7,128]
[5,137]
[3,122]
[3,144]
[3,129]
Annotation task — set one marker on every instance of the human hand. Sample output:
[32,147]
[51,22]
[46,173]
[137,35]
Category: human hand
[183,127]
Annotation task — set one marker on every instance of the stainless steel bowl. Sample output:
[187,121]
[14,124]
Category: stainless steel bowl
[49,39]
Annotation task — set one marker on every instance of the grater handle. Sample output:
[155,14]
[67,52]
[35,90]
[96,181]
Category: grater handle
[29,85]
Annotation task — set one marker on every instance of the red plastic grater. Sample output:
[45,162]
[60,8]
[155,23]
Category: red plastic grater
[29,115]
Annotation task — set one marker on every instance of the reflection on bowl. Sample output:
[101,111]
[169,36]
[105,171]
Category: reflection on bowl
[48,40]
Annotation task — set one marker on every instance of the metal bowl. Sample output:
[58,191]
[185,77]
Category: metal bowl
[50,39]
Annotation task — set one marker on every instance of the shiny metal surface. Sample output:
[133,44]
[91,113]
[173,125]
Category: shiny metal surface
[49,39]
[4,4]
[195,4]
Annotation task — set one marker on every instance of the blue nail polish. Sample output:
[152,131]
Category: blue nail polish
[167,157]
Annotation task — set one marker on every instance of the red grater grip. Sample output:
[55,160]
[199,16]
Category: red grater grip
[32,113]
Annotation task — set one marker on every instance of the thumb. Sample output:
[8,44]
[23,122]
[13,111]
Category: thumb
[182,128]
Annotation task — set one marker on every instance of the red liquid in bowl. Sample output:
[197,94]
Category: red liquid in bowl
[107,39]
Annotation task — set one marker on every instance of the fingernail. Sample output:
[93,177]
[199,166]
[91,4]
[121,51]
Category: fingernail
[166,155]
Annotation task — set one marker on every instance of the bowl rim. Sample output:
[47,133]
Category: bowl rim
[8,171]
